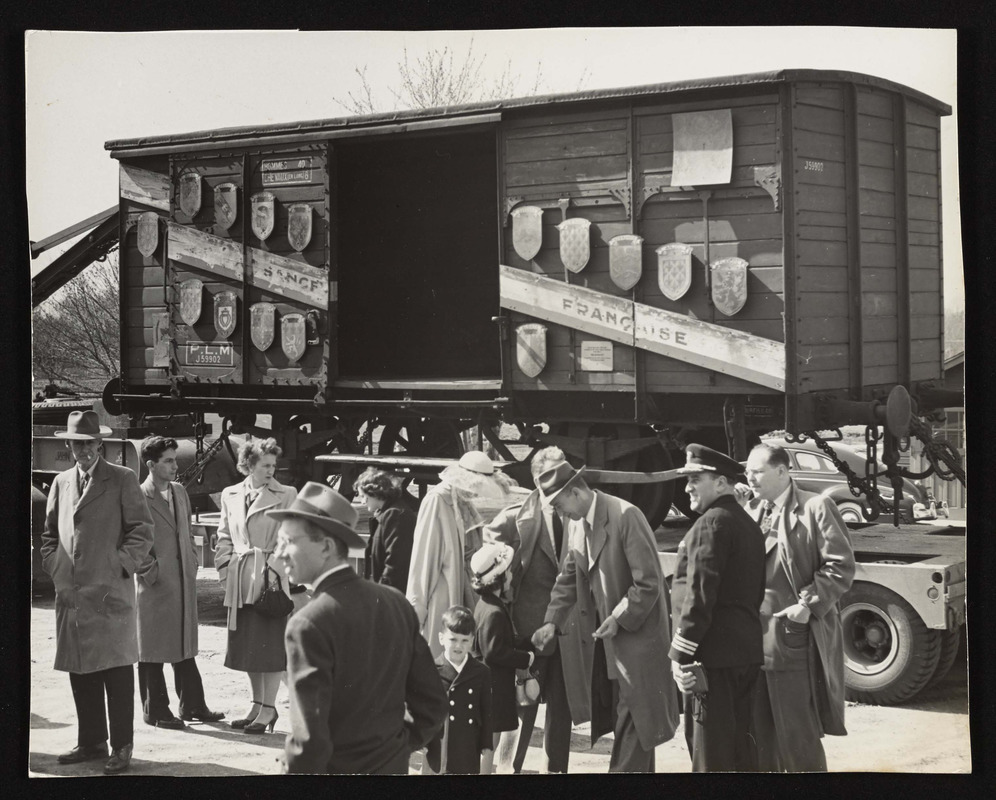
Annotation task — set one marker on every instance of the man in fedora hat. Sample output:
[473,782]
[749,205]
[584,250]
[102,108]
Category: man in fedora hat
[98,533]
[613,575]
[809,564]
[355,659]
[537,534]
[716,595]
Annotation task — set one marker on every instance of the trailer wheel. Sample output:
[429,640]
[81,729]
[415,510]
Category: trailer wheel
[950,640]
[889,654]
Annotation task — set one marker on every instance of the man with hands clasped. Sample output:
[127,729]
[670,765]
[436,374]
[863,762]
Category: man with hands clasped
[613,575]
[809,564]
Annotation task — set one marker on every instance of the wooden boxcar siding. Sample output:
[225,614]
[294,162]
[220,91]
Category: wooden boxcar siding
[878,218]
[272,365]
[743,223]
[924,232]
[587,156]
[819,180]
[583,156]
[141,281]
[214,170]
[250,365]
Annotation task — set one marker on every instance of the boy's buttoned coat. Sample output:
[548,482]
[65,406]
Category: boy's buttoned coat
[467,730]
[92,545]
[167,594]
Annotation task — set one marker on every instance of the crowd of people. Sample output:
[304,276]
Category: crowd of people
[459,626]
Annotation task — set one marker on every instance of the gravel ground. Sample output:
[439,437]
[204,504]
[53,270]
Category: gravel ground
[928,735]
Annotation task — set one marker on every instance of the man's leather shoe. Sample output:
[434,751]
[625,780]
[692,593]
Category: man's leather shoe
[172,723]
[204,715]
[119,761]
[90,752]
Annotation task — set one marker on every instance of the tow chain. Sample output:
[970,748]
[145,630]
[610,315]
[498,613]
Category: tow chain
[868,485]
[195,472]
[943,459]
[937,453]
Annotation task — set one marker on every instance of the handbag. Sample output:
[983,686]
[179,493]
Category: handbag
[272,601]
[527,691]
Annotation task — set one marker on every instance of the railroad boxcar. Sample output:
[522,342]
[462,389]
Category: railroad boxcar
[618,272]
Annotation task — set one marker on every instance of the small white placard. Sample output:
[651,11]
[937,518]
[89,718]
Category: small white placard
[596,356]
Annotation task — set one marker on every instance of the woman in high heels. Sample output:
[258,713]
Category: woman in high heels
[246,540]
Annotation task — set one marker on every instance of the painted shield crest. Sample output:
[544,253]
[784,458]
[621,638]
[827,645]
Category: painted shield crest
[674,269]
[262,214]
[530,348]
[729,284]
[190,193]
[292,336]
[626,260]
[224,313]
[190,300]
[575,246]
[299,225]
[226,208]
[261,317]
[148,233]
[527,231]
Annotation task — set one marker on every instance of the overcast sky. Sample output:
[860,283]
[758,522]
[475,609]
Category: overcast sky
[139,84]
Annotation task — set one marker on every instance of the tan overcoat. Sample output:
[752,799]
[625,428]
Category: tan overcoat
[92,545]
[167,594]
[624,577]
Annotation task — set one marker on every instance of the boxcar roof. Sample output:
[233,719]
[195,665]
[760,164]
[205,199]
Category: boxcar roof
[424,117]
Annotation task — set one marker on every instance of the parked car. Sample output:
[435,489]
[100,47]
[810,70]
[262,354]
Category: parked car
[814,471]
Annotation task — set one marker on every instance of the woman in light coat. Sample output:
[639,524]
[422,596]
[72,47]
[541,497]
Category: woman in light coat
[447,534]
[246,540]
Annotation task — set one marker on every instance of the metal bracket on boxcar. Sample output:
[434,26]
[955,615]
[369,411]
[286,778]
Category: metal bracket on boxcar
[195,472]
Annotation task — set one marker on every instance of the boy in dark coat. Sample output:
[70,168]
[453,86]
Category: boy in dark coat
[503,653]
[466,735]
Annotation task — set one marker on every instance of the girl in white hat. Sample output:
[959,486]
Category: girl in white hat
[507,656]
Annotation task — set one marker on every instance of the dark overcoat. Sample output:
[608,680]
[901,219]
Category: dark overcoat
[625,577]
[535,569]
[502,653]
[467,729]
[167,594]
[717,589]
[92,545]
[355,663]
[388,553]
[815,547]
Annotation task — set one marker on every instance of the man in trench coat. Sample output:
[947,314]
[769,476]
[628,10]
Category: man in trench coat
[613,575]
[167,598]
[98,533]
[809,564]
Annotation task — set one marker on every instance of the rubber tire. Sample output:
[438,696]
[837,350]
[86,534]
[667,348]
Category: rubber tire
[914,650]
[950,641]
[855,508]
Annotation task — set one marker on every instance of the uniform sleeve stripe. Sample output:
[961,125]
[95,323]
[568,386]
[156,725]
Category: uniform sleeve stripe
[684,645]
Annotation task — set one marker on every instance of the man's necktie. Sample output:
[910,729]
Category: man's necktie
[558,536]
[85,482]
[768,519]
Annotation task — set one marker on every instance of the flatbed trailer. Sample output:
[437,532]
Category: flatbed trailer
[903,614]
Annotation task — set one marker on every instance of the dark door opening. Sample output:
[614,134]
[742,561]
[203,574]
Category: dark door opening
[418,257]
